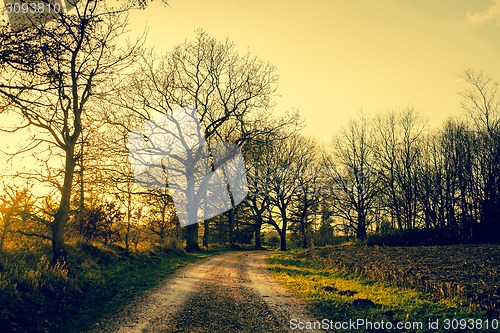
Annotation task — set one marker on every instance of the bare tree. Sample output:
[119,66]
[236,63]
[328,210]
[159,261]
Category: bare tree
[412,130]
[257,154]
[398,151]
[482,105]
[284,161]
[353,179]
[50,81]
[387,152]
[430,187]
[231,92]
[450,196]
[309,177]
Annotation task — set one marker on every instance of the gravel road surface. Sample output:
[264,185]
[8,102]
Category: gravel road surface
[232,292]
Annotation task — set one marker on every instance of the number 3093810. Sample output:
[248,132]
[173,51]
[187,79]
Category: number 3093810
[36,7]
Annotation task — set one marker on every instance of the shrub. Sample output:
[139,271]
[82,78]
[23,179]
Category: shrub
[415,237]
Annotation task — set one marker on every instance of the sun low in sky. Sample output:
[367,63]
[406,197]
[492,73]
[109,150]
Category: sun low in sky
[336,58]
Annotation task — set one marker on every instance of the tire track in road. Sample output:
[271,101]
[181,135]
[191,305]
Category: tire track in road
[232,292]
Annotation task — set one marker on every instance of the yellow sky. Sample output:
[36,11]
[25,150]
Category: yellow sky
[335,58]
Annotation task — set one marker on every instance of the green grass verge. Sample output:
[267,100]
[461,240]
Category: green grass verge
[341,296]
[37,298]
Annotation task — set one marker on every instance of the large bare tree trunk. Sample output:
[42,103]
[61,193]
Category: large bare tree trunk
[361,226]
[61,216]
[206,230]
[129,219]
[5,230]
[192,238]
[304,236]
[283,240]
[230,218]
[284,218]
[258,239]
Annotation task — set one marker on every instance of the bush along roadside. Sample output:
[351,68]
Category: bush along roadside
[35,297]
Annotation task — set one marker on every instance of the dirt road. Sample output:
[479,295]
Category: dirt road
[232,292]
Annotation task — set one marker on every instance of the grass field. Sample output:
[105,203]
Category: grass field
[397,284]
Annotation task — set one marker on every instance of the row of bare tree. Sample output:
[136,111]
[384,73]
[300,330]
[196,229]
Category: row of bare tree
[388,172]
[77,91]
[407,176]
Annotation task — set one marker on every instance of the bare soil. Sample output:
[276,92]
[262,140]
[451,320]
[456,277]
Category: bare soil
[467,272]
